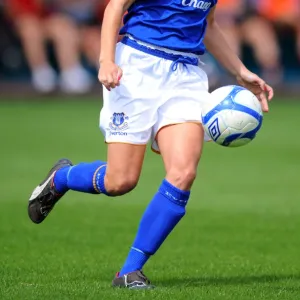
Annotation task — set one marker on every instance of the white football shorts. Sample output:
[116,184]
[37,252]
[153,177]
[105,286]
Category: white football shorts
[154,92]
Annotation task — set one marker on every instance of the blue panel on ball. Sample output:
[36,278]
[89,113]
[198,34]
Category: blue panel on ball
[228,103]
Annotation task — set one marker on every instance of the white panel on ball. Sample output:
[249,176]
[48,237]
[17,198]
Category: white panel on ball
[232,117]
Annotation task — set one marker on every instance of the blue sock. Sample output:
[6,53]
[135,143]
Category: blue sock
[161,216]
[84,177]
[60,180]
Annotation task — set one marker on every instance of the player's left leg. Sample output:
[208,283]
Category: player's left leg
[178,135]
[168,205]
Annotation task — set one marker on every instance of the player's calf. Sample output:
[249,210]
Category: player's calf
[97,177]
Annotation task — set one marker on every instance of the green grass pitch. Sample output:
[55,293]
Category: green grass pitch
[239,239]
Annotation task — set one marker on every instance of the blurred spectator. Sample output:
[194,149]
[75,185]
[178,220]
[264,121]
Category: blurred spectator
[88,16]
[241,25]
[282,13]
[37,22]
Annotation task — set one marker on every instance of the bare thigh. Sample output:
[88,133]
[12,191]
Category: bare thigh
[181,147]
[124,165]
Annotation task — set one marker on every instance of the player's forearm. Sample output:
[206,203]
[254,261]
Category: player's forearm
[217,45]
[110,28]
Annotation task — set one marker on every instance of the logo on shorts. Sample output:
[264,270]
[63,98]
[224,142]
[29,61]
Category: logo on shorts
[118,122]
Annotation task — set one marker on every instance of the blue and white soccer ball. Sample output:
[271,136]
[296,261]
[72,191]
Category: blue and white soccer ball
[232,117]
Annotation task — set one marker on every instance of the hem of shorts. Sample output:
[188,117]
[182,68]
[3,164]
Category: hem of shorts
[167,125]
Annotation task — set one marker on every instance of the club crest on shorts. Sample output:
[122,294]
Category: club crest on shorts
[118,122]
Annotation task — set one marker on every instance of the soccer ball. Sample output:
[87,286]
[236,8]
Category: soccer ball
[232,117]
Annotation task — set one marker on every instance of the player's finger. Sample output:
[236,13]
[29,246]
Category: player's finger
[110,80]
[101,78]
[264,102]
[261,84]
[255,89]
[266,88]
[104,82]
[119,74]
[270,91]
[106,85]
[116,80]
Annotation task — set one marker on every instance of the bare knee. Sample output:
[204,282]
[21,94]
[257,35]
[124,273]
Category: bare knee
[118,184]
[182,178]
[124,164]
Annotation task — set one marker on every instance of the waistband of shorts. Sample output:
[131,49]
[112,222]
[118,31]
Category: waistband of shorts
[175,56]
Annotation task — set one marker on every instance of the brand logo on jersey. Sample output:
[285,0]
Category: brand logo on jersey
[203,5]
[118,123]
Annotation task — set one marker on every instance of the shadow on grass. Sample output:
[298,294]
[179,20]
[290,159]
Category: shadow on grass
[233,280]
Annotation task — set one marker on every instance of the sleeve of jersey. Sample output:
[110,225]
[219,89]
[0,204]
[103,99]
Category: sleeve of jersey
[215,2]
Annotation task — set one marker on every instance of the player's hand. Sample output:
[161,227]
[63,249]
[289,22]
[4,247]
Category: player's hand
[258,87]
[109,74]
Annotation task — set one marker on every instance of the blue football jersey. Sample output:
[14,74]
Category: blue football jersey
[173,24]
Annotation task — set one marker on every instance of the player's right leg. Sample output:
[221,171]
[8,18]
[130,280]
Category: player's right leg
[127,117]
[117,176]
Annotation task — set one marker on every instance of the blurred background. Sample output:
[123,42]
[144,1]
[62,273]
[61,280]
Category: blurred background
[53,45]
[46,45]
[240,238]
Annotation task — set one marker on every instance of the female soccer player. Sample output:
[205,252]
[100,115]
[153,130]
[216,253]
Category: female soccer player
[154,90]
